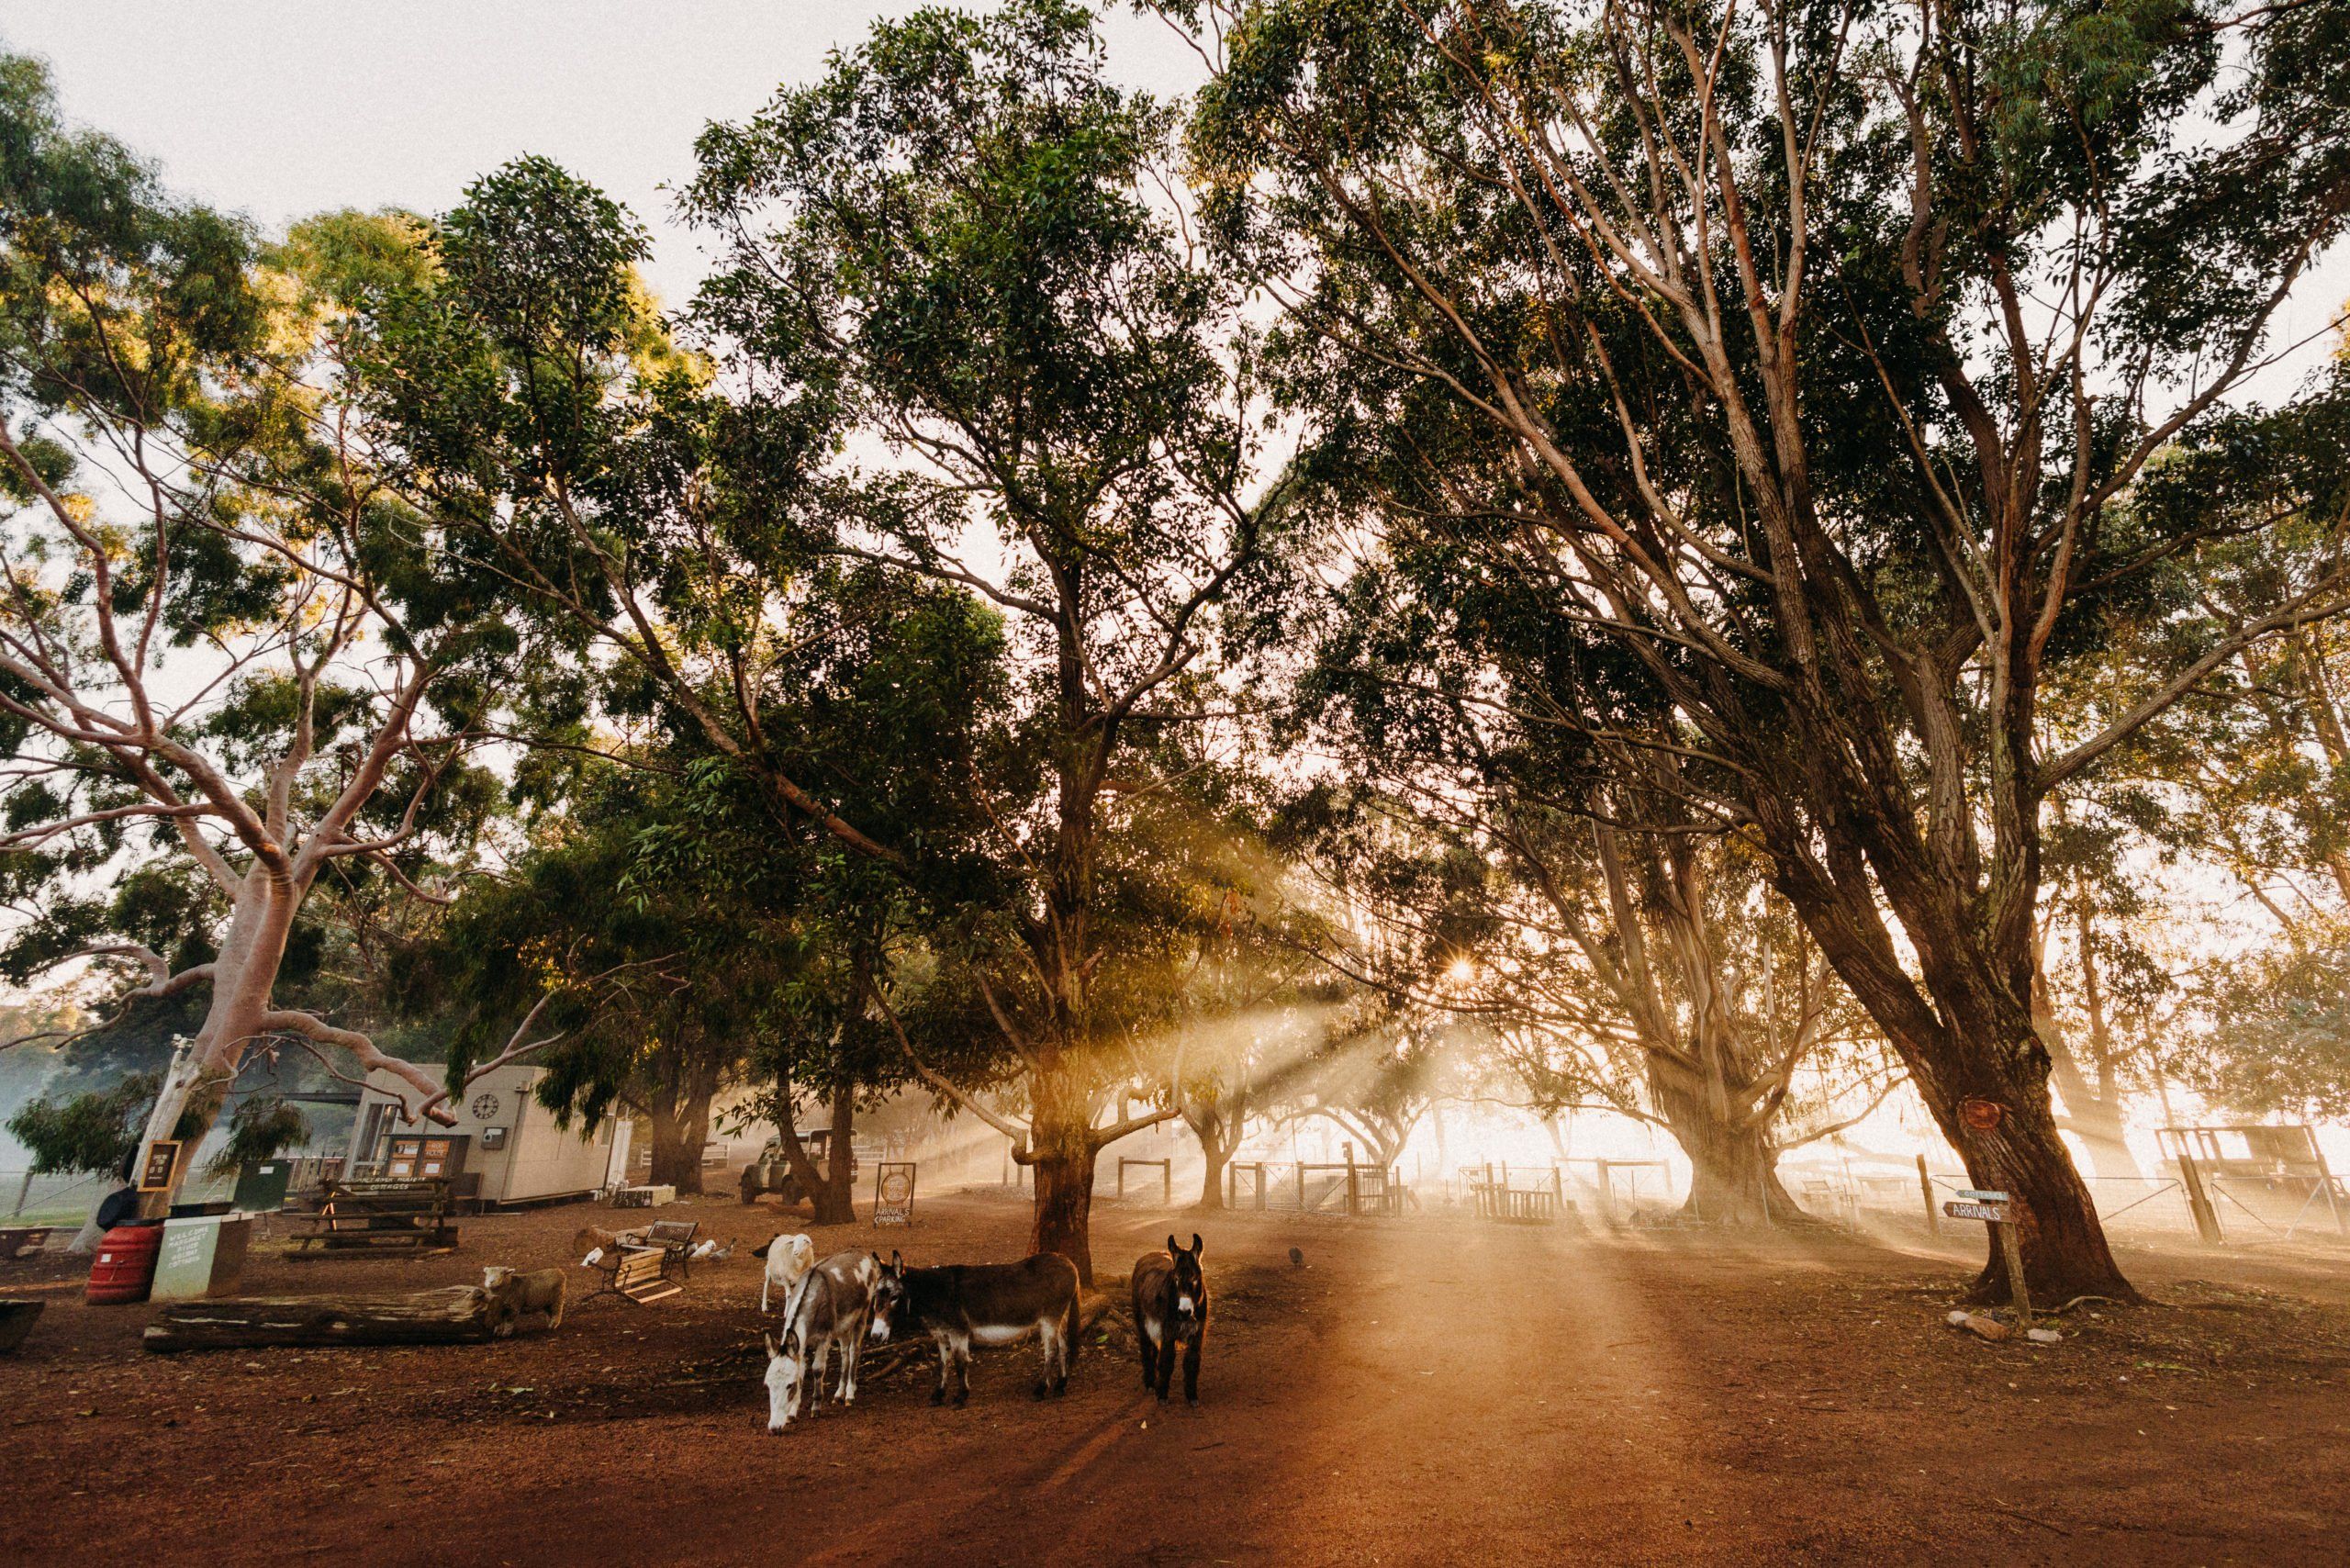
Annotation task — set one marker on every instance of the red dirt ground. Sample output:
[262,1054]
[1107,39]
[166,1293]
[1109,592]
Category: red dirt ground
[1422,1391]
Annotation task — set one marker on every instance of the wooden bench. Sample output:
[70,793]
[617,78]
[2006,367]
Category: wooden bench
[22,1241]
[675,1237]
[368,1216]
[636,1273]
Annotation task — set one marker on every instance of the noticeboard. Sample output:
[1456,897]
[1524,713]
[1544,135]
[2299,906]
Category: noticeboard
[261,1185]
[893,1192]
[162,1162]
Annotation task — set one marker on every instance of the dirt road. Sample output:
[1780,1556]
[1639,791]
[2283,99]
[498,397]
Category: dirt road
[1419,1392]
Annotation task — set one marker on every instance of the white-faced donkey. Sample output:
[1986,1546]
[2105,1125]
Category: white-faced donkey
[833,1311]
[1172,1310]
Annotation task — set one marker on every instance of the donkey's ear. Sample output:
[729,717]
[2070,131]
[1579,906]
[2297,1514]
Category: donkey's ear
[772,1352]
[1198,1248]
[897,1261]
[1173,1245]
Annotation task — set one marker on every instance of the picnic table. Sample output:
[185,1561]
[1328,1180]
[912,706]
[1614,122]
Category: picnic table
[22,1241]
[373,1214]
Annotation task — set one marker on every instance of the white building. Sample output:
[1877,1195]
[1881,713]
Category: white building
[505,1148]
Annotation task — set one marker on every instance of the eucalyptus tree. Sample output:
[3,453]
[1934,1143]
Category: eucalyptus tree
[643,987]
[950,249]
[959,240]
[1624,952]
[1817,359]
[232,658]
[2230,809]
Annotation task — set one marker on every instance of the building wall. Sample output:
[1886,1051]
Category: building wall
[535,1160]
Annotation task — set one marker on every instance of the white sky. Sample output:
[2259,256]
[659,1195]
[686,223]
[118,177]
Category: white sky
[279,109]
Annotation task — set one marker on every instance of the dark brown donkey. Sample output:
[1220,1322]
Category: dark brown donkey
[1172,1309]
[964,1304]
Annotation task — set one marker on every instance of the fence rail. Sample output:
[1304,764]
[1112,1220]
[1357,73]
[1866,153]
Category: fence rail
[58,1198]
[1311,1187]
[2237,1208]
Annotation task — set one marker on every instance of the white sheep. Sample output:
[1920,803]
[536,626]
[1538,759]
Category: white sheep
[789,1259]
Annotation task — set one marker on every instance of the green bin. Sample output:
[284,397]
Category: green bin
[203,1255]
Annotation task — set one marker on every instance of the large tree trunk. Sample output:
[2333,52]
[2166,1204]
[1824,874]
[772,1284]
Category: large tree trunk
[1986,1084]
[1216,1130]
[1733,1169]
[243,976]
[1065,1208]
[680,1128]
[834,1199]
[2064,1251]
[1217,1158]
[1970,1044]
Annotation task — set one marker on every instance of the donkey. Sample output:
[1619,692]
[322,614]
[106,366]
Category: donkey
[833,1311]
[1172,1309]
[964,1304]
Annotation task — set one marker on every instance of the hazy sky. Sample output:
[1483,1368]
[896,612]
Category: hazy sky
[280,109]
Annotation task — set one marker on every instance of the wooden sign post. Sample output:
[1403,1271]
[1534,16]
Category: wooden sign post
[894,1193]
[1992,1209]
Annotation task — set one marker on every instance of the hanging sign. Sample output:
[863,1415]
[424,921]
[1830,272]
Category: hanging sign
[162,1162]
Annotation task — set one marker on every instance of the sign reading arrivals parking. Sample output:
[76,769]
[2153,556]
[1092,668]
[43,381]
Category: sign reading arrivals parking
[894,1193]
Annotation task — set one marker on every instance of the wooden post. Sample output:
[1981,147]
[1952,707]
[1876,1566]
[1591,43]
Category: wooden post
[1557,1188]
[1260,1184]
[2198,1201]
[2012,1248]
[1167,1183]
[1926,1189]
[1607,1193]
[24,1190]
[1354,1189]
[1297,1167]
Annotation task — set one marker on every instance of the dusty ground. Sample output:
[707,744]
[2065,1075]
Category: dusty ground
[1422,1391]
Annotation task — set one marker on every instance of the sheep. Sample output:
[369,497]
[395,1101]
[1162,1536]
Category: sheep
[512,1294]
[789,1259]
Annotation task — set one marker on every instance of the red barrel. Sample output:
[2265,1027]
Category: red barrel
[125,1270]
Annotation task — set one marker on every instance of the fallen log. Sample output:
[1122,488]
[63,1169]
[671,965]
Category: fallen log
[458,1316]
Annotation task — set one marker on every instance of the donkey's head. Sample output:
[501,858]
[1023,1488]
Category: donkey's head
[1191,1280]
[783,1381]
[889,1294]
